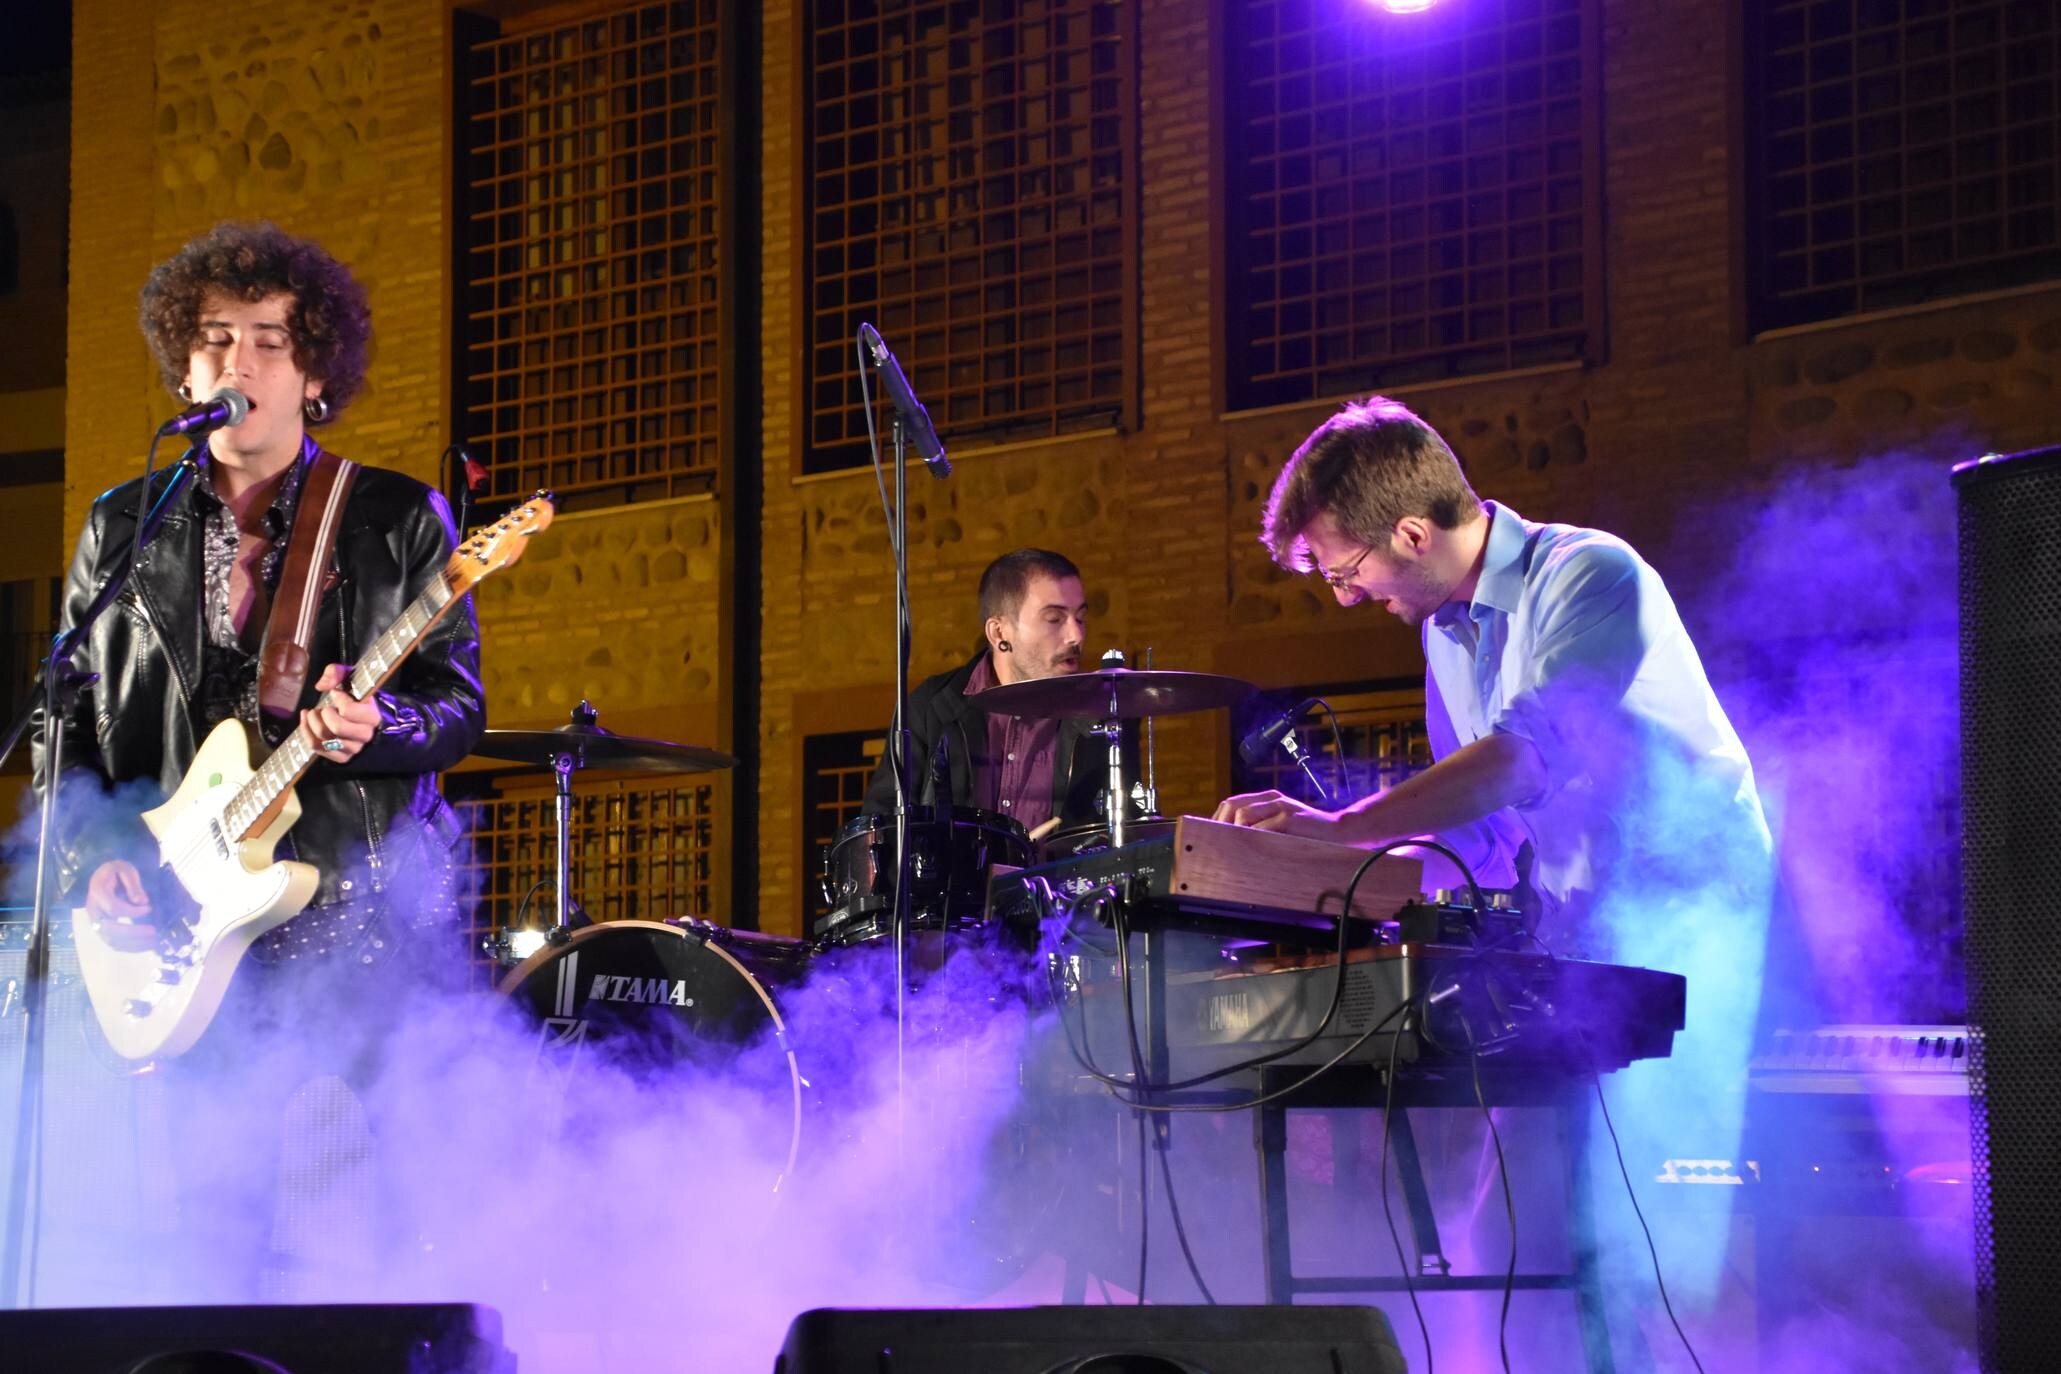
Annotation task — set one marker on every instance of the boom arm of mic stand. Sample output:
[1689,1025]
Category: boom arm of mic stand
[1294,749]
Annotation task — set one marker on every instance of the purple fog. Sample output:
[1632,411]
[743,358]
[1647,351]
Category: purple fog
[625,1214]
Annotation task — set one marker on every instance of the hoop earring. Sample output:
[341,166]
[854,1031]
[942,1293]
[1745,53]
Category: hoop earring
[184,391]
[315,410]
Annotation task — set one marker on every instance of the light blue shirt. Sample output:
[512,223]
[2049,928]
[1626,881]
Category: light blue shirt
[1572,642]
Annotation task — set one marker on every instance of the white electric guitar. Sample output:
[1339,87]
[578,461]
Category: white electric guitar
[217,831]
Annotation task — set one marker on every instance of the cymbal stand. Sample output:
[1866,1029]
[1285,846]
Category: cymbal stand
[563,766]
[1151,755]
[1111,729]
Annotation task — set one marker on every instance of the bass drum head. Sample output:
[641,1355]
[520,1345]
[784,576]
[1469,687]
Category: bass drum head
[651,998]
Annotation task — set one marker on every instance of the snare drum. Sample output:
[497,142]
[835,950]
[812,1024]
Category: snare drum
[949,859]
[649,994]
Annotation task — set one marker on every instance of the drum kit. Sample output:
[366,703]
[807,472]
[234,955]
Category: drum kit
[686,990]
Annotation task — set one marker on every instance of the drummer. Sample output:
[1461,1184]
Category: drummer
[1034,620]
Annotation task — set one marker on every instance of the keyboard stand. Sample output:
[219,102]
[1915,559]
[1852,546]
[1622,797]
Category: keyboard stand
[1359,1087]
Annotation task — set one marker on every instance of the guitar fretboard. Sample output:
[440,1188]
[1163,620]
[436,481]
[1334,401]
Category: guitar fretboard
[286,764]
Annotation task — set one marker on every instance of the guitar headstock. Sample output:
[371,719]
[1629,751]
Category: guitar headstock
[493,547]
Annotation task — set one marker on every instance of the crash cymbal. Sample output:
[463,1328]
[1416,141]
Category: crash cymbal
[1125,692]
[593,747]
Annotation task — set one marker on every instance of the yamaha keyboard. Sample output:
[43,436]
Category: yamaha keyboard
[1226,880]
[1523,1011]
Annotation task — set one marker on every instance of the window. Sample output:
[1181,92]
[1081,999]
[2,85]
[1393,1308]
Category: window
[1898,152]
[28,621]
[1380,724]
[642,849]
[835,770]
[1412,197]
[591,278]
[970,193]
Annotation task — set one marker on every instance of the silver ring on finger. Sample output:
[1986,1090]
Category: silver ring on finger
[334,746]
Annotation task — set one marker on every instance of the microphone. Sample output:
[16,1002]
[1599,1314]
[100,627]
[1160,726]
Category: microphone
[1279,730]
[1271,732]
[223,410]
[915,419]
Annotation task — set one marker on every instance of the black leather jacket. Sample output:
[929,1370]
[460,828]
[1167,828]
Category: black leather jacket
[364,824]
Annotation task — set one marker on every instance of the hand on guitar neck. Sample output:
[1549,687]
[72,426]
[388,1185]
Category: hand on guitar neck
[338,726]
[116,894]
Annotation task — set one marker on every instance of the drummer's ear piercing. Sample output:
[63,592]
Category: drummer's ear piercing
[1002,645]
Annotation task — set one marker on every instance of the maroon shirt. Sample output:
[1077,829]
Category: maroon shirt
[1016,779]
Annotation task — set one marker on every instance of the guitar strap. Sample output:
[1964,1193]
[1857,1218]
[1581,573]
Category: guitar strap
[283,661]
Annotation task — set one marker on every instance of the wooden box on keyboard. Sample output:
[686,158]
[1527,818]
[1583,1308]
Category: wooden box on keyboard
[1204,874]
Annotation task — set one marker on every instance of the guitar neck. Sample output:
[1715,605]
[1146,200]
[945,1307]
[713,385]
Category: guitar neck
[254,803]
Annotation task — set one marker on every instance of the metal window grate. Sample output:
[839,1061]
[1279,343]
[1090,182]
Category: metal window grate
[1411,196]
[29,611]
[970,192]
[592,361]
[1382,728]
[642,849]
[1900,150]
[835,771]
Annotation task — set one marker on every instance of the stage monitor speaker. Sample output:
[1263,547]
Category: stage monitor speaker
[2010,593]
[370,1338]
[1092,1340]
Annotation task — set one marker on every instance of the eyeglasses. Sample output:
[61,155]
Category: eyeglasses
[1342,579]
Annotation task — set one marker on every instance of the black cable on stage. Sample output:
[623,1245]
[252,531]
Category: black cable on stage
[1123,935]
[1173,1206]
[1144,1205]
[1123,944]
[1509,1206]
[1387,1210]
[522,908]
[1631,1193]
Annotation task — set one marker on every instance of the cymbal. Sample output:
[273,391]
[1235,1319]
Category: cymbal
[593,747]
[1123,692]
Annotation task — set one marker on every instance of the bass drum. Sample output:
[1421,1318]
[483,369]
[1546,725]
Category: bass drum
[653,995]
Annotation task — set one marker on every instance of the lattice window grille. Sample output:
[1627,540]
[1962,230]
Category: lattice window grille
[1413,197]
[970,194]
[592,302]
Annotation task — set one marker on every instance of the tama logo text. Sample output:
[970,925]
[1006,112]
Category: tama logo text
[610,987]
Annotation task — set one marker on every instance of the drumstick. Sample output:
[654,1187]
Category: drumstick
[1044,828]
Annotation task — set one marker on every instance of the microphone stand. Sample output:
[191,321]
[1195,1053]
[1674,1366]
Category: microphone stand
[899,742]
[1294,749]
[61,684]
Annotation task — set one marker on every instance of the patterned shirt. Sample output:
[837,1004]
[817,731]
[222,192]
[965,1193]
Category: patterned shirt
[229,657]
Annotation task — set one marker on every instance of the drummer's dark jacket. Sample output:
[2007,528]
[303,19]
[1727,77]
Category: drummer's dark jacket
[939,706]
[137,722]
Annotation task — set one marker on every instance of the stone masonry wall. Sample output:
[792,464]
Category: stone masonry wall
[332,119]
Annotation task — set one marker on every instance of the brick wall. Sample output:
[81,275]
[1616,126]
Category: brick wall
[327,119]
[622,607]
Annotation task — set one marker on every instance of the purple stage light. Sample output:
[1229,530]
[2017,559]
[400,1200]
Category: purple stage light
[1405,6]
